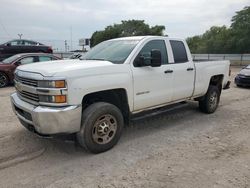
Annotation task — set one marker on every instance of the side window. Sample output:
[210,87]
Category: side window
[27,60]
[29,43]
[179,51]
[14,43]
[154,45]
[20,42]
[44,58]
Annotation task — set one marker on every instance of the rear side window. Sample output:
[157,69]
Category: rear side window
[179,51]
[29,43]
[44,58]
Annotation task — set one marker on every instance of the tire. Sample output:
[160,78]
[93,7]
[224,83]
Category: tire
[4,81]
[209,103]
[101,128]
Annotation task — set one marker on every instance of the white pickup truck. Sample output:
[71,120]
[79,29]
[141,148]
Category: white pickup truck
[117,79]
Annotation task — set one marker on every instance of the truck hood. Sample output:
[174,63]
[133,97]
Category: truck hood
[62,67]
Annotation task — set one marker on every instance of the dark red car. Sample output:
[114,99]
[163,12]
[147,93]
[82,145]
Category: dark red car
[9,65]
[22,46]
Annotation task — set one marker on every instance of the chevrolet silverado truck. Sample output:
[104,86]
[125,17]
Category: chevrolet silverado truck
[95,96]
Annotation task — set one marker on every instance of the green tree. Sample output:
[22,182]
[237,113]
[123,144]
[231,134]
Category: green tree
[241,31]
[235,39]
[125,29]
[196,44]
[215,40]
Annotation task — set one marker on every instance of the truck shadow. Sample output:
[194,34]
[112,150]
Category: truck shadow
[169,126]
[174,119]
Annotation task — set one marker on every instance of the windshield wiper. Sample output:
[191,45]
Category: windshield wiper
[94,59]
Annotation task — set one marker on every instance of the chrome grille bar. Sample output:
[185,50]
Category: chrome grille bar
[29,96]
[26,81]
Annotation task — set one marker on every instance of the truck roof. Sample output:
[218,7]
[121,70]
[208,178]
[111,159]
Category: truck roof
[137,37]
[143,37]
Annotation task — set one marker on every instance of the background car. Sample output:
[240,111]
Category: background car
[8,66]
[243,78]
[22,46]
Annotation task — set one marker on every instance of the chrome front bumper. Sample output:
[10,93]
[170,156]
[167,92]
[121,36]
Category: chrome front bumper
[47,120]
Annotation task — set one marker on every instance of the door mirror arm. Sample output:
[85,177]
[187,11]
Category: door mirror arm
[139,61]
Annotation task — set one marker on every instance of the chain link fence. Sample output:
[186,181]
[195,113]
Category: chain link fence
[235,59]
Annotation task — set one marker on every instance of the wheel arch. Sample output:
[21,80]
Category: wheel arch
[216,80]
[117,97]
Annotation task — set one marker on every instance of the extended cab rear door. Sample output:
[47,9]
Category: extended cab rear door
[183,70]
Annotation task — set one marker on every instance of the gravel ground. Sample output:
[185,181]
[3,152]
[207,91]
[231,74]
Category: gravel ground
[180,148]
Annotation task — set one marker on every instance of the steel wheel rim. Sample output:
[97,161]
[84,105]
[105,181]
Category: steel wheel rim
[3,80]
[104,129]
[213,100]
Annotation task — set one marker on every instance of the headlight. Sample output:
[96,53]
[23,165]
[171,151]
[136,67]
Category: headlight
[52,91]
[53,98]
[52,84]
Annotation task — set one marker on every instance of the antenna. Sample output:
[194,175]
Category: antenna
[20,35]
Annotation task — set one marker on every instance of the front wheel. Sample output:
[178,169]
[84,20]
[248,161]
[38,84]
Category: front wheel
[101,128]
[209,103]
[3,80]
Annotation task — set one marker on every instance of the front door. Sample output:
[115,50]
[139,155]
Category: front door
[152,85]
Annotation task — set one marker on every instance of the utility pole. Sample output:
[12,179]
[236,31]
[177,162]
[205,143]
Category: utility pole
[65,43]
[71,38]
[20,35]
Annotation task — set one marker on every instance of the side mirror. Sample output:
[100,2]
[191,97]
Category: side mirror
[18,63]
[155,58]
[8,44]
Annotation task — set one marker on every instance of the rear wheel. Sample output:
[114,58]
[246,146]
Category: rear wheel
[209,103]
[101,129]
[4,81]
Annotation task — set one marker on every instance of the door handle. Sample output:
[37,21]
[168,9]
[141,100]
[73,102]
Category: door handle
[190,69]
[168,71]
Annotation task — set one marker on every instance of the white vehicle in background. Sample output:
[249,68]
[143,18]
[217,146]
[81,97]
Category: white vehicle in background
[76,55]
[115,81]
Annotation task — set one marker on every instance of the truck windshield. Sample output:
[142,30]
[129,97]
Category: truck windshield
[115,51]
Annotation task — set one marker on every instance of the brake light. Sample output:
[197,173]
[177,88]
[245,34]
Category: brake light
[50,49]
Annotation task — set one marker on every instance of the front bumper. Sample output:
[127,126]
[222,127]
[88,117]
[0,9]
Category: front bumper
[242,80]
[47,120]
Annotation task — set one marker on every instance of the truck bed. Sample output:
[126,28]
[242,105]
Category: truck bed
[205,70]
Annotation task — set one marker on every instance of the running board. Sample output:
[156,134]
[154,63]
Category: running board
[155,112]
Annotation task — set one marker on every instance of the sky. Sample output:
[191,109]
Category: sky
[54,21]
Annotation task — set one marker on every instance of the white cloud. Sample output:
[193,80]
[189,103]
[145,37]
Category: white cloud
[52,19]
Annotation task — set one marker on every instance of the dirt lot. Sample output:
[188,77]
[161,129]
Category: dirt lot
[181,148]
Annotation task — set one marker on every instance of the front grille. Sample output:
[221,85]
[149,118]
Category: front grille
[28,95]
[244,79]
[26,81]
[22,91]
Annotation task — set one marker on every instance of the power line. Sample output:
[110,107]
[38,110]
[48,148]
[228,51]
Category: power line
[1,23]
